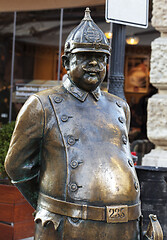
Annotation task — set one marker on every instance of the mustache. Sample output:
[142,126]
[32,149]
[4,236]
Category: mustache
[92,69]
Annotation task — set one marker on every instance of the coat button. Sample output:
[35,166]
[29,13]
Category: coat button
[74,164]
[73,187]
[136,185]
[64,118]
[124,139]
[58,99]
[130,162]
[118,104]
[71,140]
[121,119]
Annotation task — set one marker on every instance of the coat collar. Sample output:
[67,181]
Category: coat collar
[79,93]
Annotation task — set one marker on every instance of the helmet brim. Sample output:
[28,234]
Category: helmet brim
[75,50]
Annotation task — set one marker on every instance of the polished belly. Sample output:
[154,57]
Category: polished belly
[103,178]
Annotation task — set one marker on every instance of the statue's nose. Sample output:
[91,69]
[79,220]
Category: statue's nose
[94,63]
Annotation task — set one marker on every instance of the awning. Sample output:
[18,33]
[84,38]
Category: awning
[30,5]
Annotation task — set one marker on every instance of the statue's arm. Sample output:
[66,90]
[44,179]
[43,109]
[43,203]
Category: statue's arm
[22,162]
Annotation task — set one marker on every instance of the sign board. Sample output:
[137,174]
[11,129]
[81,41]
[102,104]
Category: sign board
[128,12]
[23,90]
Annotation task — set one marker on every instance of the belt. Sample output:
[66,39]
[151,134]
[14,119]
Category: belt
[109,214]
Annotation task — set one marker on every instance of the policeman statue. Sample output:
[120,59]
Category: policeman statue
[69,154]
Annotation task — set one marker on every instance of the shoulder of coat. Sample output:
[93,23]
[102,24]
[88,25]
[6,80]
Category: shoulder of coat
[114,98]
[43,96]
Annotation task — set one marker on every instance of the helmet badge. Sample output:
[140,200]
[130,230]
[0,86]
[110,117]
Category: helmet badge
[93,35]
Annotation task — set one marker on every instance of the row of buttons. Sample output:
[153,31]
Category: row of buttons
[59,100]
[73,186]
[71,141]
[64,118]
[124,139]
[121,119]
[136,184]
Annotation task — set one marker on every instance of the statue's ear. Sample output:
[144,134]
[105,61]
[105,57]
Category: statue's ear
[65,60]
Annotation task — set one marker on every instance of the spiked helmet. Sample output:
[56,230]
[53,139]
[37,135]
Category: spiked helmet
[87,37]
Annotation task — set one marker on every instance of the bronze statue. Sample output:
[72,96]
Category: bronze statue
[69,154]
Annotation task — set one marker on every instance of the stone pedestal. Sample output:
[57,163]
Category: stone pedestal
[157,105]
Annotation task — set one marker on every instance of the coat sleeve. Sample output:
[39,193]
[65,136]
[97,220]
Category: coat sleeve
[22,162]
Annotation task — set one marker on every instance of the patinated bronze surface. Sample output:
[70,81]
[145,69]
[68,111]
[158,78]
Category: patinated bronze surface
[69,154]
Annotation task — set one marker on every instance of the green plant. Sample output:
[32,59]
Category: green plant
[5,135]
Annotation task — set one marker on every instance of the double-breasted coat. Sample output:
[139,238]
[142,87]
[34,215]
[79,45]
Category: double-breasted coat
[72,146]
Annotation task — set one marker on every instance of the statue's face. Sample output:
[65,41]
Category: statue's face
[87,69]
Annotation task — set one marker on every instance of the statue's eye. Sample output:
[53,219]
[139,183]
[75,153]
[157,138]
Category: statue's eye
[101,59]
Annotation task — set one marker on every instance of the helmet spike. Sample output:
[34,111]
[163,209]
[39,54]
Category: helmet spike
[87,16]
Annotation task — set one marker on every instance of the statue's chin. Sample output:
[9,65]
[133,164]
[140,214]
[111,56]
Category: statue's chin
[91,80]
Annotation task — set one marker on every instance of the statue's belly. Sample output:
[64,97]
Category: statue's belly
[103,177]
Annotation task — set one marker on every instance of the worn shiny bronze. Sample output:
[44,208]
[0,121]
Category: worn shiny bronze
[154,230]
[69,154]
